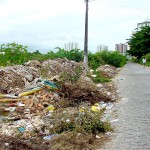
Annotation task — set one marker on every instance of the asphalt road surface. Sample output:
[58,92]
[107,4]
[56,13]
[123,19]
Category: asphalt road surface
[132,116]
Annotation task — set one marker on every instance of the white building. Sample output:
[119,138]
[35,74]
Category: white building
[71,45]
[102,47]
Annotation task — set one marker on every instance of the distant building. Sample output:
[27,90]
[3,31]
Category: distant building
[102,47]
[122,48]
[143,24]
[71,45]
[139,25]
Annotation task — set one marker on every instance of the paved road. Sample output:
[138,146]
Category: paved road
[133,111]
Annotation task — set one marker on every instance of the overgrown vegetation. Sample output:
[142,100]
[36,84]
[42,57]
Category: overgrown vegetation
[113,58]
[67,77]
[13,53]
[84,121]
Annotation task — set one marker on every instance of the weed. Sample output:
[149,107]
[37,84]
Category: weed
[71,77]
[86,121]
[99,78]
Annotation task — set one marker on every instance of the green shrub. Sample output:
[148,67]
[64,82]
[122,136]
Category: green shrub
[74,54]
[13,54]
[116,59]
[106,57]
[95,60]
[148,64]
[147,56]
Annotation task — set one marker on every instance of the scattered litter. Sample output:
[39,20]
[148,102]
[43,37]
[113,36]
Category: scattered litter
[8,96]
[31,91]
[82,109]
[98,137]
[49,84]
[93,75]
[49,137]
[21,129]
[50,108]
[20,104]
[11,109]
[13,100]
[115,120]
[102,104]
[110,106]
[95,107]
[6,144]
[67,120]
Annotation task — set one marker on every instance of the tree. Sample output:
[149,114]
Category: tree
[140,42]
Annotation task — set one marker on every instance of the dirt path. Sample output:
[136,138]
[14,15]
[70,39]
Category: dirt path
[132,116]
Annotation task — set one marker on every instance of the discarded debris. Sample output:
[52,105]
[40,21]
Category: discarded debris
[35,106]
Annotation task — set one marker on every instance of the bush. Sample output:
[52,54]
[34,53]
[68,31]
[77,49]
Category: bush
[95,60]
[147,56]
[74,54]
[13,54]
[116,59]
[106,57]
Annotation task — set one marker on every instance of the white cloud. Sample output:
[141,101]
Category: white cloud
[45,24]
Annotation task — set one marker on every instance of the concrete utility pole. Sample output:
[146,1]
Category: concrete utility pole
[86,39]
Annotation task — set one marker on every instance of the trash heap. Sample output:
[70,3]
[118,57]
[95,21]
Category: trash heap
[54,68]
[14,78]
[108,70]
[29,96]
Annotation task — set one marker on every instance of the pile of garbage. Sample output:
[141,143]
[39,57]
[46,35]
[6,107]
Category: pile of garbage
[55,67]
[108,70]
[28,100]
[14,79]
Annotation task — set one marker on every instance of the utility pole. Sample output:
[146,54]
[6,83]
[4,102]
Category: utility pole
[86,39]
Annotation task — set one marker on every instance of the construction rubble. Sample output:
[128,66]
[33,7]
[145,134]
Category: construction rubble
[30,93]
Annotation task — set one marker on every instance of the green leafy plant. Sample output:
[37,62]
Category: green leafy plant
[95,60]
[74,54]
[13,53]
[106,57]
[116,59]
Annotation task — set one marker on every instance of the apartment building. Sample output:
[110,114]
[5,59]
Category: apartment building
[121,48]
[71,45]
[142,24]
[101,47]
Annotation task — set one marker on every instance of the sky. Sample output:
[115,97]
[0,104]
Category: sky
[45,24]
